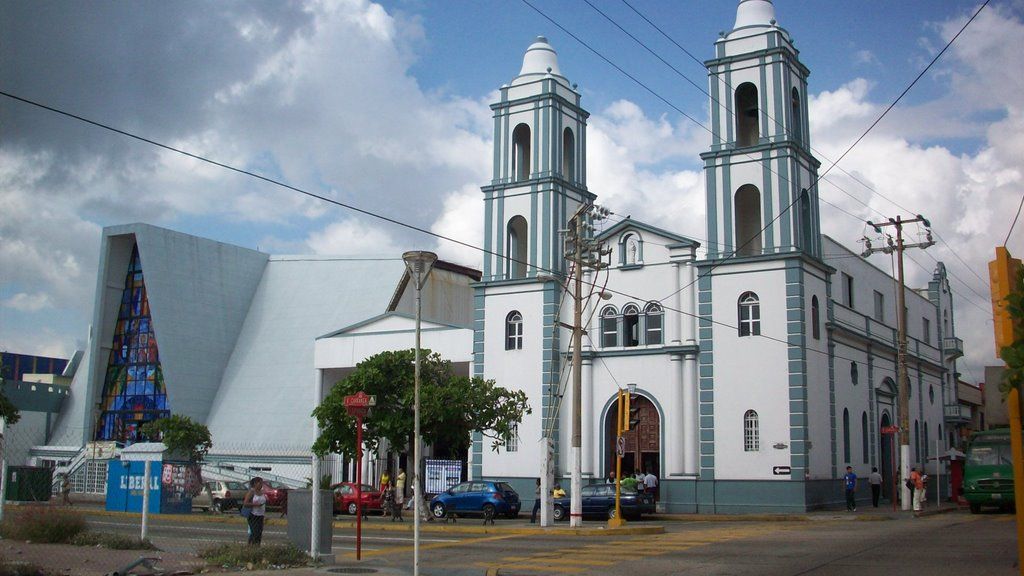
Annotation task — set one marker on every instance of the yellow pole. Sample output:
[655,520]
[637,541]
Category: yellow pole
[618,520]
[1017,448]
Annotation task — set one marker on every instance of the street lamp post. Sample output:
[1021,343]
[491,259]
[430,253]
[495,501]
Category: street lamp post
[419,264]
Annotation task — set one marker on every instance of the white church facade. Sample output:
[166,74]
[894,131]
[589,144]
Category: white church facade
[763,367]
[764,357]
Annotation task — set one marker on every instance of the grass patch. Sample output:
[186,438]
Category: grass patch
[245,556]
[112,541]
[43,524]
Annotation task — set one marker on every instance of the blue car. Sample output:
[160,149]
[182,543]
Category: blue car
[599,500]
[477,497]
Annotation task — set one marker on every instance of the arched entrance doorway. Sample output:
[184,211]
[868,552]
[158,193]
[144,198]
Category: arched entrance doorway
[885,468]
[643,442]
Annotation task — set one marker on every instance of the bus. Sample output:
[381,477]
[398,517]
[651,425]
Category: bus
[988,471]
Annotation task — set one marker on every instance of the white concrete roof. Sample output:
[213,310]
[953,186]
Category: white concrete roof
[266,394]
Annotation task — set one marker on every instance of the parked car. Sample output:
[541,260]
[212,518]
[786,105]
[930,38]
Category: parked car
[599,500]
[345,497]
[277,494]
[477,497]
[219,495]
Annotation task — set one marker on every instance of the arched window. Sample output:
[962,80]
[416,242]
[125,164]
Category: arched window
[514,331]
[917,442]
[806,230]
[815,318]
[521,152]
[609,328]
[853,373]
[751,432]
[631,325]
[846,435]
[931,394]
[747,131]
[864,447]
[924,446]
[568,155]
[797,130]
[748,220]
[653,316]
[517,242]
[749,314]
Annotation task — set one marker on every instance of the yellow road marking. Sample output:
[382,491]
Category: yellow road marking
[546,568]
[557,560]
[433,546]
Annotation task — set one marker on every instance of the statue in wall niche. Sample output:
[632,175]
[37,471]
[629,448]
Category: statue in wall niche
[632,249]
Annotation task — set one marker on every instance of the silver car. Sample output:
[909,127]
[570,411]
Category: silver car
[219,495]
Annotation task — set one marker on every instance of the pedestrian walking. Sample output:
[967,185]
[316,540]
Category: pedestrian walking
[256,502]
[611,478]
[651,484]
[536,503]
[65,490]
[875,480]
[400,488]
[850,482]
[917,480]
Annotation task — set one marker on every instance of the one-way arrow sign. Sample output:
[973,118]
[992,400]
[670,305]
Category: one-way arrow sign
[781,470]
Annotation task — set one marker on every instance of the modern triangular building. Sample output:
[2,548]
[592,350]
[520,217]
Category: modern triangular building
[764,360]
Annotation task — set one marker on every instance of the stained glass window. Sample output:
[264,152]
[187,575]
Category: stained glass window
[133,389]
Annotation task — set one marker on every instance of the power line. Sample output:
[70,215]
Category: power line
[1021,205]
[819,177]
[778,123]
[429,232]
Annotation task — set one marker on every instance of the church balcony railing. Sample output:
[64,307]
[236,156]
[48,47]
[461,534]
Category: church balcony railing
[952,347]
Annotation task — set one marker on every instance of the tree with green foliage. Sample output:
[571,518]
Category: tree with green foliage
[452,407]
[8,411]
[1013,355]
[181,435]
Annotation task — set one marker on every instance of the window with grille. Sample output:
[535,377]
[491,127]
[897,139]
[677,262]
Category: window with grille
[751,432]
[653,319]
[749,314]
[609,328]
[512,440]
[514,331]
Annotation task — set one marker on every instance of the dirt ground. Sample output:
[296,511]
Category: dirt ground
[69,560]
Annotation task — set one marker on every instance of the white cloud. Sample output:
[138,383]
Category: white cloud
[28,302]
[352,237]
[970,197]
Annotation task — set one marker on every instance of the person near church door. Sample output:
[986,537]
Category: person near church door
[875,480]
[850,483]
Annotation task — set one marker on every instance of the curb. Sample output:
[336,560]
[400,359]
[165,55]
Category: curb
[596,530]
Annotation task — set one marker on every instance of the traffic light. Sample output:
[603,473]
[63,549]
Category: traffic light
[632,412]
[1003,272]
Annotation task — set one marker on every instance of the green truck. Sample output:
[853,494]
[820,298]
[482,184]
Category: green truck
[988,471]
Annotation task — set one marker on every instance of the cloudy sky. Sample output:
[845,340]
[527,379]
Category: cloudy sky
[385,106]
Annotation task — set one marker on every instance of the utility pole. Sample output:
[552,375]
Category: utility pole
[901,327]
[584,252]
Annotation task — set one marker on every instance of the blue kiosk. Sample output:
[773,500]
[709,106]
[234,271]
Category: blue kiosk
[171,482]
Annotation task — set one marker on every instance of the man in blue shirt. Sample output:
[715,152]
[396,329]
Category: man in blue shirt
[850,481]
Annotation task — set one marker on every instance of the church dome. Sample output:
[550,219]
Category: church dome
[754,13]
[540,58]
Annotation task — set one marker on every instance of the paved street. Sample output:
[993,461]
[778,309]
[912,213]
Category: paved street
[825,544]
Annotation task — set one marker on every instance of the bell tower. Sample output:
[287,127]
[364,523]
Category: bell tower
[539,174]
[761,179]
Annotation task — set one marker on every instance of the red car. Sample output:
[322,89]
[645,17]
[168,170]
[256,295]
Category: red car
[345,498]
[277,494]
